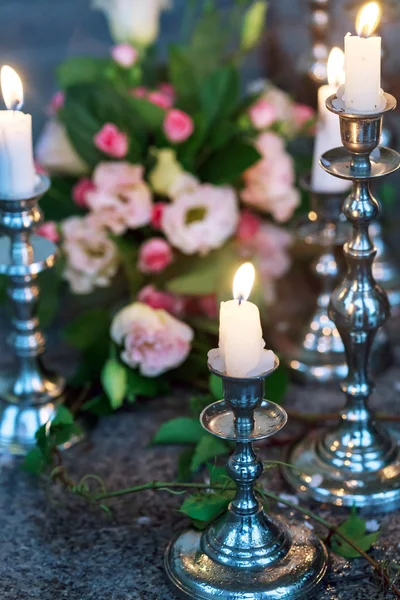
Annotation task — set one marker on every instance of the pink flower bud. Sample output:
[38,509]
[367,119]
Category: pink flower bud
[154,256]
[111,141]
[125,55]
[178,126]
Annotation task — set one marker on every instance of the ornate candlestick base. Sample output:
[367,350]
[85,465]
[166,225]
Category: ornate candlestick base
[28,396]
[245,553]
[359,462]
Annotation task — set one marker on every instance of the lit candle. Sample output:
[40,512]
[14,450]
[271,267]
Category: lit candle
[241,346]
[328,129]
[17,171]
[362,91]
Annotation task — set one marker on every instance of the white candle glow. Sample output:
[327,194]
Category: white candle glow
[241,346]
[362,91]
[17,171]
[328,129]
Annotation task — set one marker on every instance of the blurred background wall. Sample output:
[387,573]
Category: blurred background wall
[36,35]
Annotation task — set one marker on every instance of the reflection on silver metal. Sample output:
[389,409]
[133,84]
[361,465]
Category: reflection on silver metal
[245,554]
[27,396]
[359,462]
[385,268]
[319,27]
[317,352]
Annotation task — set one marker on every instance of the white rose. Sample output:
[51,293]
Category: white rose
[134,21]
[55,152]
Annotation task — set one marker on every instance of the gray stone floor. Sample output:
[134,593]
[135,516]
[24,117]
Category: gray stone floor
[54,547]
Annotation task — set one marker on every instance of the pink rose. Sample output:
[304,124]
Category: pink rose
[56,103]
[168,90]
[49,231]
[120,200]
[111,141]
[139,92]
[160,99]
[125,55]
[157,214]
[249,224]
[154,256]
[178,126]
[80,190]
[263,114]
[302,114]
[153,340]
[157,299]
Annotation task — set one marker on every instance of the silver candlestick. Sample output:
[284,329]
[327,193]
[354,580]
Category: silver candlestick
[245,553]
[315,353]
[27,396]
[319,26]
[359,463]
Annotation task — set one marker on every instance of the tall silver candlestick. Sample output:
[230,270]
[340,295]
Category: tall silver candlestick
[27,396]
[315,353]
[359,462]
[245,553]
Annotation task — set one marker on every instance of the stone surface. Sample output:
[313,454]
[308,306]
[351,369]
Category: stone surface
[55,546]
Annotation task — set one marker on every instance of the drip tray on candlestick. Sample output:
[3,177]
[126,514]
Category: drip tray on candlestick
[218,419]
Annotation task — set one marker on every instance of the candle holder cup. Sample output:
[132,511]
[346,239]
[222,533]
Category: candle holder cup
[28,397]
[245,553]
[359,462]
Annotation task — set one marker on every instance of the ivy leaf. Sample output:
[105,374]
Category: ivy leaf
[99,406]
[114,380]
[208,448]
[139,385]
[355,529]
[182,430]
[63,417]
[204,508]
[216,387]
[34,462]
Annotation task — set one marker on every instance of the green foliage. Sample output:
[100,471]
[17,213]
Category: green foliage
[216,387]
[253,25]
[57,204]
[229,162]
[48,437]
[114,380]
[355,529]
[182,430]
[89,333]
[82,69]
[203,508]
[207,449]
[277,384]
[50,282]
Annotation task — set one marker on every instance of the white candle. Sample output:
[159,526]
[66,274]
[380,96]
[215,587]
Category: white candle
[328,129]
[362,91]
[17,171]
[241,344]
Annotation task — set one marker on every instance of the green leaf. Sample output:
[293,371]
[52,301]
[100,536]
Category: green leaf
[204,508]
[253,25]
[81,69]
[220,94]
[128,253]
[199,403]
[216,387]
[61,434]
[182,430]
[63,416]
[151,114]
[205,276]
[208,448]
[355,529]
[114,380]
[139,385]
[99,406]
[50,285]
[229,163]
[34,462]
[57,204]
[219,475]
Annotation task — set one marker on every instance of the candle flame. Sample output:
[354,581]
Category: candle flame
[336,67]
[11,87]
[243,281]
[368,19]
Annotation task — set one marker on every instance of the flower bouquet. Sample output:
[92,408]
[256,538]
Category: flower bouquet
[166,173]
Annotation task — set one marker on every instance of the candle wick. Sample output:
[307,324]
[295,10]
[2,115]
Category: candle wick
[364,31]
[240,300]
